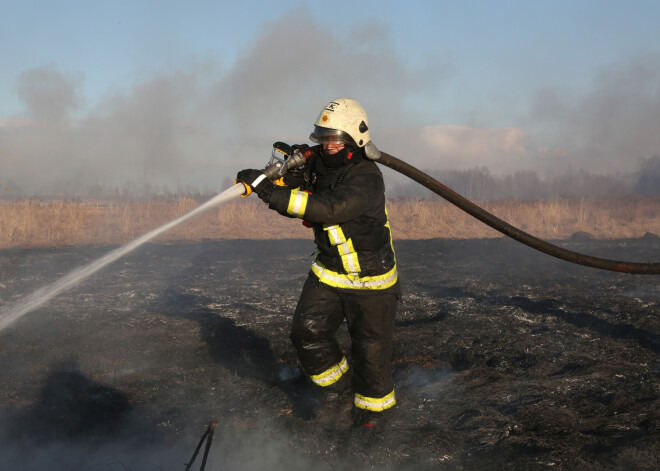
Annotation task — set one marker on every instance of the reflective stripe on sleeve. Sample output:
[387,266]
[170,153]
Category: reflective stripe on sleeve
[375,403]
[297,203]
[331,375]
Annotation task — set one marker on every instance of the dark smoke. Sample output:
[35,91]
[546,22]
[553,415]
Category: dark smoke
[198,123]
[613,125]
[50,96]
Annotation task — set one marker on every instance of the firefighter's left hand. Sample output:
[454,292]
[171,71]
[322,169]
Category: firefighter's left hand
[294,177]
[257,182]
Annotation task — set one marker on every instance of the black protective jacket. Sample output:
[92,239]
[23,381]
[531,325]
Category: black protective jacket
[345,204]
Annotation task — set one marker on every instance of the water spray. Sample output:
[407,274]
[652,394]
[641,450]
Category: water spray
[282,159]
[12,313]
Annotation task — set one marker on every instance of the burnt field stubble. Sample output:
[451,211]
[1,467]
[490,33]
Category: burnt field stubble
[504,358]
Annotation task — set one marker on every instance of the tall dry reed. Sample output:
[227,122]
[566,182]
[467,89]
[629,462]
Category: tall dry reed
[37,223]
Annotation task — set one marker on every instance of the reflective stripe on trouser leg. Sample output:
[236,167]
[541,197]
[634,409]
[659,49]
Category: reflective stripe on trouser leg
[370,317]
[314,326]
[376,404]
[331,375]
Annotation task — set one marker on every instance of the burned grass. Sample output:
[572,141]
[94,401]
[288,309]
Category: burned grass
[504,359]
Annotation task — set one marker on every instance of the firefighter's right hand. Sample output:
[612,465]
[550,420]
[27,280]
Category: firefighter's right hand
[303,148]
[295,176]
[255,180]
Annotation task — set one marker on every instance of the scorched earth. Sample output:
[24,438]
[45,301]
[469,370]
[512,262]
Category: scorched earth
[504,358]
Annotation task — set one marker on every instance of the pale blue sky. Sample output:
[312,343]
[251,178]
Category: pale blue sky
[495,46]
[539,73]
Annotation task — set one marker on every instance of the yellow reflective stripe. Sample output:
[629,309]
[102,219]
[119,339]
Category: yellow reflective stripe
[331,375]
[349,257]
[389,228]
[335,234]
[375,403]
[297,203]
[339,280]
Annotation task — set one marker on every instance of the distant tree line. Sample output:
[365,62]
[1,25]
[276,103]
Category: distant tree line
[481,185]
[477,184]
[648,179]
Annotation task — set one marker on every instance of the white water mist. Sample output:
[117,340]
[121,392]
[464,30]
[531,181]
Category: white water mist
[11,314]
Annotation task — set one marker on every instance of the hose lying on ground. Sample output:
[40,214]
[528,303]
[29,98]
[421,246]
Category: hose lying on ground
[640,268]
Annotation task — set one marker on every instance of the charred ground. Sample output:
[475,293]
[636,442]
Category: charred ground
[504,359]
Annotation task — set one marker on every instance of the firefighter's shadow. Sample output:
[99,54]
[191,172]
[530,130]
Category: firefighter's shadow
[241,351]
[71,407]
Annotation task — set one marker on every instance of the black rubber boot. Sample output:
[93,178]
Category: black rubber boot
[334,412]
[371,419]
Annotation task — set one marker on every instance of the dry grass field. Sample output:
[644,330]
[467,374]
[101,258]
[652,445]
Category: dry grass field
[44,223]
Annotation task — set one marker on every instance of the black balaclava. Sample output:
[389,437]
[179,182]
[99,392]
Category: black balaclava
[347,154]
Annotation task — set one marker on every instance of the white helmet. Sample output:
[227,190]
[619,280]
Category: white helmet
[342,120]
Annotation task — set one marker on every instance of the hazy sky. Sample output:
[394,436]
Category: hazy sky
[101,92]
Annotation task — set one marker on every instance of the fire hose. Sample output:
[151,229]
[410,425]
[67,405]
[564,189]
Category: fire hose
[280,164]
[638,268]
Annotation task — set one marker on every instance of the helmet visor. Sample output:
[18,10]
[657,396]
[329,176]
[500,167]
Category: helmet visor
[330,136]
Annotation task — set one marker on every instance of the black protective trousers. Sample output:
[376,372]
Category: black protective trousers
[370,318]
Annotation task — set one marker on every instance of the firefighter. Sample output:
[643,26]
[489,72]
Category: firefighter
[340,194]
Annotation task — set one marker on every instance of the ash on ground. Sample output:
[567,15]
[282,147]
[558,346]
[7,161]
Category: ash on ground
[504,358]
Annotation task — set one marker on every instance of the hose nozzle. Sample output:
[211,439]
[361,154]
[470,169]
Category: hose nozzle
[278,169]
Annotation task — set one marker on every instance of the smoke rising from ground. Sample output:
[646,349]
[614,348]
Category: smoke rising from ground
[612,126]
[197,124]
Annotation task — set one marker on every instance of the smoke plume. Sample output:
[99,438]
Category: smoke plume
[197,124]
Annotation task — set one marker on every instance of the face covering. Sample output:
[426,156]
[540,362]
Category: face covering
[338,159]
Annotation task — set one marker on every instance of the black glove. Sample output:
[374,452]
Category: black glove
[294,178]
[303,148]
[257,182]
